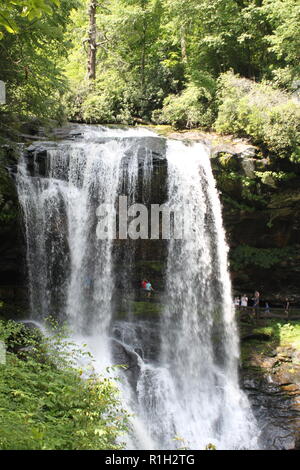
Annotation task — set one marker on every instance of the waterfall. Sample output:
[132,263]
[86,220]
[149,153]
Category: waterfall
[196,388]
[182,383]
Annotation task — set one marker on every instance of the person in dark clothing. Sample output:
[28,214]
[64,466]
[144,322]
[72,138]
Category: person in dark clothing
[256,305]
[267,307]
[287,307]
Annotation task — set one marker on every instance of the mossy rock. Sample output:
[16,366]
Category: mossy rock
[150,266]
[266,331]
[228,161]
[285,199]
[141,309]
[162,129]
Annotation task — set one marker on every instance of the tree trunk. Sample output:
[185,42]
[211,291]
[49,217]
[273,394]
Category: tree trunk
[143,57]
[183,45]
[92,41]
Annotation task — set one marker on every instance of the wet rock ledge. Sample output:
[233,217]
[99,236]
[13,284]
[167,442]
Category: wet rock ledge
[270,375]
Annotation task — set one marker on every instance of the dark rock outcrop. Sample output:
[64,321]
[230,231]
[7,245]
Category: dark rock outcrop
[12,244]
[270,375]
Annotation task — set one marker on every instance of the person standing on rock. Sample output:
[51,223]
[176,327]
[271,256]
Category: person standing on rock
[287,307]
[256,305]
[143,286]
[267,307]
[237,302]
[244,302]
[149,288]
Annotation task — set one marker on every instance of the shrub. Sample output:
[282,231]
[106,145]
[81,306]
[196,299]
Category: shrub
[245,255]
[45,403]
[99,107]
[269,116]
[193,107]
[99,102]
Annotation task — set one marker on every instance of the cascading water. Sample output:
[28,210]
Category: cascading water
[195,388]
[182,380]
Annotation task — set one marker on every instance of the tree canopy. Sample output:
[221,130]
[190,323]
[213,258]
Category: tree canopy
[11,10]
[127,61]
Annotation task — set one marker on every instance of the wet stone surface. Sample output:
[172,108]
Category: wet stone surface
[272,383]
[276,409]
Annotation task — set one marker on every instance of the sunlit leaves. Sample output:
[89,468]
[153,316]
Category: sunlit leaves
[44,401]
[30,9]
[284,38]
[269,116]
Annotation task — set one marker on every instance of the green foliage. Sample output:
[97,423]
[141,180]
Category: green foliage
[237,205]
[271,178]
[158,60]
[103,103]
[245,255]
[132,77]
[264,330]
[193,107]
[219,34]
[284,38]
[289,334]
[281,333]
[150,266]
[99,107]
[147,309]
[11,10]
[233,183]
[45,403]
[270,116]
[30,61]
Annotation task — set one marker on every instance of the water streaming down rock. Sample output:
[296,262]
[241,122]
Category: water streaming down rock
[182,370]
[195,388]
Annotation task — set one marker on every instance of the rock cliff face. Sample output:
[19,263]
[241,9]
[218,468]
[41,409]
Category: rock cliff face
[271,377]
[12,244]
[262,220]
[261,209]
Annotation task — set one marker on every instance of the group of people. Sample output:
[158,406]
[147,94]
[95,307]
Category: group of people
[243,303]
